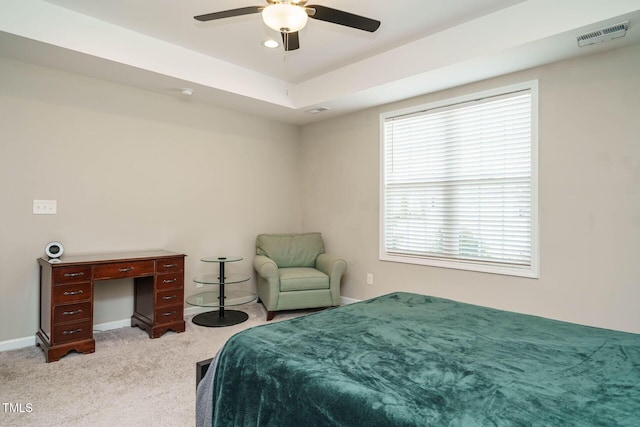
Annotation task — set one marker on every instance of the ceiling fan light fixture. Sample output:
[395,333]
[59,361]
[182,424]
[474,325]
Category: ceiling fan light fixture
[285,17]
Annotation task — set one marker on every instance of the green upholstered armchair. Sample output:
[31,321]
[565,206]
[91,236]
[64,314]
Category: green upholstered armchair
[295,273]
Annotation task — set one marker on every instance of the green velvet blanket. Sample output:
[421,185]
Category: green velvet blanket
[412,360]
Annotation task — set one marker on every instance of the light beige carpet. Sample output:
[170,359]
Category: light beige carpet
[130,380]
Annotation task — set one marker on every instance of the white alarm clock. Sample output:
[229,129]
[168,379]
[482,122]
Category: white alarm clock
[54,251]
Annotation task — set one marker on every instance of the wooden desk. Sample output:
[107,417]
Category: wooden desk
[66,297]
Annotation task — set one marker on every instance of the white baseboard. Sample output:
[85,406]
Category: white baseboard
[18,343]
[347,300]
[117,324]
[31,341]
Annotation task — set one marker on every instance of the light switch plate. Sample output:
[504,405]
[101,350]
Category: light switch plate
[45,207]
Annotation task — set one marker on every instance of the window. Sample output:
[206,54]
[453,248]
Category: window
[459,183]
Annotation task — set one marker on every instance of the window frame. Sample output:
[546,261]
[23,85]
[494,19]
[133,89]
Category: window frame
[530,271]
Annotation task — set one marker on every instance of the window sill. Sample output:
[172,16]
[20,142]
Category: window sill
[530,272]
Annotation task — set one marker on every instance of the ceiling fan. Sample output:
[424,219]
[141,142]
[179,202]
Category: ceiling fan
[290,16]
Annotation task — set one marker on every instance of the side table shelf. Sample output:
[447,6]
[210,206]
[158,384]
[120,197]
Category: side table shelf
[222,298]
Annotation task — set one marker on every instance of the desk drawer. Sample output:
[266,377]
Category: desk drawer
[169,314]
[70,293]
[170,297]
[170,281]
[72,331]
[77,274]
[121,270]
[171,265]
[72,312]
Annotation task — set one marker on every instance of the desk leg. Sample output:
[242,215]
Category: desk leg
[53,353]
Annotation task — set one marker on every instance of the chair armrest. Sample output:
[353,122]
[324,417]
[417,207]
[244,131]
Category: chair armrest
[332,266]
[266,267]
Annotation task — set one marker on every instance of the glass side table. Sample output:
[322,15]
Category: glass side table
[221,299]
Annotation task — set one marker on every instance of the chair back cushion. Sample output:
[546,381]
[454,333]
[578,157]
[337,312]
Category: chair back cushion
[291,250]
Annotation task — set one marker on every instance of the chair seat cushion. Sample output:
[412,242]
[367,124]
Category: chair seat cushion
[302,279]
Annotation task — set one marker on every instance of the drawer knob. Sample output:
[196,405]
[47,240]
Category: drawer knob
[73,292]
[71,313]
[169,280]
[80,274]
[72,331]
[168,297]
[124,270]
[169,313]
[170,265]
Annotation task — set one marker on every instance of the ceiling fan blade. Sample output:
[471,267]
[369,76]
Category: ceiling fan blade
[291,41]
[340,17]
[228,13]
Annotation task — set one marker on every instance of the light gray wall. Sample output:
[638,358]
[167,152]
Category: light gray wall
[131,170]
[134,170]
[589,198]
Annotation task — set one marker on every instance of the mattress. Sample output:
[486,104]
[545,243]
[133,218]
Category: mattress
[412,360]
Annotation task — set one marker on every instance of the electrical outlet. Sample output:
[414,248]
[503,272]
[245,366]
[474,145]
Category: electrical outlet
[45,207]
[369,279]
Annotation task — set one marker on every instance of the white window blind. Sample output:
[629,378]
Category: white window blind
[457,185]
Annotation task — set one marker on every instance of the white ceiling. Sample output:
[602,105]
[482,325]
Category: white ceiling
[325,46]
[421,46]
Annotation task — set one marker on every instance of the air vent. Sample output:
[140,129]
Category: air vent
[318,110]
[604,34]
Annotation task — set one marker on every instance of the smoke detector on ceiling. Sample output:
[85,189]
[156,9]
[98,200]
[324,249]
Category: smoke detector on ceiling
[604,34]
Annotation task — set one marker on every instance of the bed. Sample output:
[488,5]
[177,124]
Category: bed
[412,360]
